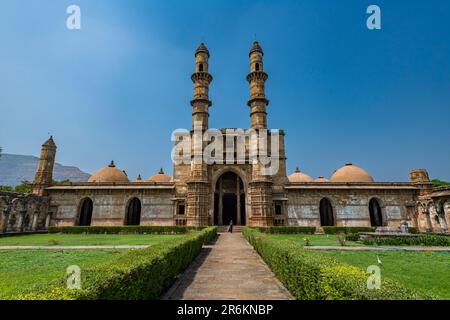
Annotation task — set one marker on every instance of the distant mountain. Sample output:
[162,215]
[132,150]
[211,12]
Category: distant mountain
[16,168]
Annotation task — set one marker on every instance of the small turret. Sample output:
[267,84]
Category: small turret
[44,173]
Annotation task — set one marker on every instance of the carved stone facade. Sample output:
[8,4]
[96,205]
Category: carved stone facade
[235,189]
[23,212]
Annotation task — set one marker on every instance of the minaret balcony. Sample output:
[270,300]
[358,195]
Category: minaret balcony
[257,75]
[202,76]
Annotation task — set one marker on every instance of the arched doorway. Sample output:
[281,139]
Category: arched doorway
[326,213]
[376,217]
[229,200]
[133,216]
[85,216]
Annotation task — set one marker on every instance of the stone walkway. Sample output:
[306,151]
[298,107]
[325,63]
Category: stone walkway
[73,247]
[229,269]
[413,249]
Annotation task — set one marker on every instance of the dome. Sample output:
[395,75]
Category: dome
[351,173]
[109,174]
[138,179]
[160,177]
[299,176]
[321,179]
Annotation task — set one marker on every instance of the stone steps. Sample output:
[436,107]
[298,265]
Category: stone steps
[225,228]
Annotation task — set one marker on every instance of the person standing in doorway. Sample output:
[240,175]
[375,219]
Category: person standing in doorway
[230,228]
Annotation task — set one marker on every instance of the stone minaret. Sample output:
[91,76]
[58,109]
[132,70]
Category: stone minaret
[44,173]
[201,78]
[257,78]
[260,187]
[197,203]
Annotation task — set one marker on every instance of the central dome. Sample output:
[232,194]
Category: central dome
[109,174]
[351,173]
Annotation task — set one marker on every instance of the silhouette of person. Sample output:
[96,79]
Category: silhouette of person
[230,229]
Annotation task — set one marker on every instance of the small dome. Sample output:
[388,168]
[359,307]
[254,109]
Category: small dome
[321,179]
[299,176]
[160,177]
[138,179]
[351,173]
[109,174]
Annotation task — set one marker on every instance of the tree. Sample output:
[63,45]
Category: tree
[439,183]
[24,187]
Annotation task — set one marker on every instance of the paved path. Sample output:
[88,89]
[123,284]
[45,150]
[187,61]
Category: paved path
[228,270]
[72,247]
[415,249]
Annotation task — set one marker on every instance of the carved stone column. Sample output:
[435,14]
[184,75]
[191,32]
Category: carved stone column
[220,202]
[238,202]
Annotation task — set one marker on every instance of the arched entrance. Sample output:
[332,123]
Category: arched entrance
[133,215]
[376,217]
[326,213]
[229,200]
[85,216]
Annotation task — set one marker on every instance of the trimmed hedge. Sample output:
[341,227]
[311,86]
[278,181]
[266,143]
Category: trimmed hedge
[124,230]
[286,230]
[308,275]
[423,240]
[347,230]
[138,274]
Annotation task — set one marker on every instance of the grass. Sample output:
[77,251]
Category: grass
[84,239]
[22,270]
[316,239]
[423,271]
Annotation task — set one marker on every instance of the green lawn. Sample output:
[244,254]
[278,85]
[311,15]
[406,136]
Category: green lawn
[84,239]
[22,270]
[316,239]
[423,271]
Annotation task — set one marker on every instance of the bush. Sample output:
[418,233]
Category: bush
[308,275]
[347,230]
[413,230]
[124,230]
[138,274]
[352,237]
[286,230]
[422,240]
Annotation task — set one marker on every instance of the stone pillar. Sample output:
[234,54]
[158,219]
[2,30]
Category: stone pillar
[47,220]
[4,221]
[21,220]
[238,200]
[35,221]
[220,202]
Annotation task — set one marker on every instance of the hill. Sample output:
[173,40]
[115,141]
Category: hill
[16,168]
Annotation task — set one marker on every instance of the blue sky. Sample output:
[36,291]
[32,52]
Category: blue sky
[118,87]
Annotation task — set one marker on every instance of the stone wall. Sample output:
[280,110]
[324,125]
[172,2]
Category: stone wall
[350,205]
[110,205]
[22,212]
